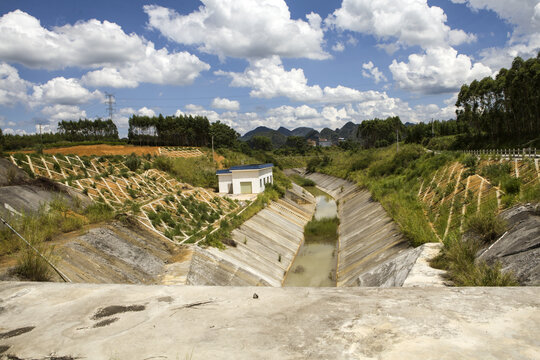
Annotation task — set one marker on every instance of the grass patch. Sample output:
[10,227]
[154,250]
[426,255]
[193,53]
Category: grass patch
[302,181]
[99,212]
[199,171]
[458,258]
[486,226]
[315,191]
[321,230]
[31,266]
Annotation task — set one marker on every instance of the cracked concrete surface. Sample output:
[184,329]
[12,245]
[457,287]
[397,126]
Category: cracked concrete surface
[281,323]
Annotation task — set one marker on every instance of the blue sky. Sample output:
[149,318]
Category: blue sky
[253,62]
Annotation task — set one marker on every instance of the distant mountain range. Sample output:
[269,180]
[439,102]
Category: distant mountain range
[279,136]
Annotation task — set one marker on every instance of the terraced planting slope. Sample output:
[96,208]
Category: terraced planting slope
[163,204]
[180,152]
[455,191]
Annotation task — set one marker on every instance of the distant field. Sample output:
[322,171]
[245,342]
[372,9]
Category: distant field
[103,149]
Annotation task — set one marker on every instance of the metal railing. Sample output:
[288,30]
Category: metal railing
[522,153]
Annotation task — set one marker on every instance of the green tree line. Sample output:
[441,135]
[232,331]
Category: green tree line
[505,107]
[183,130]
[379,132]
[85,129]
[68,132]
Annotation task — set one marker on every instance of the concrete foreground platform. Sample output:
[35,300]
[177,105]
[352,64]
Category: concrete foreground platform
[94,321]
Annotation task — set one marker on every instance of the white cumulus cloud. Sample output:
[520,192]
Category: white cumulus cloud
[439,70]
[524,40]
[63,112]
[120,59]
[13,89]
[405,22]
[269,79]
[242,28]
[373,72]
[64,92]
[222,103]
[338,47]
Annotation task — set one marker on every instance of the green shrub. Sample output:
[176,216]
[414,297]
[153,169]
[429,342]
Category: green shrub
[163,163]
[307,182]
[313,164]
[486,225]
[321,230]
[511,185]
[33,267]
[362,163]
[458,258]
[469,161]
[99,212]
[380,168]
[133,162]
[496,173]
[531,193]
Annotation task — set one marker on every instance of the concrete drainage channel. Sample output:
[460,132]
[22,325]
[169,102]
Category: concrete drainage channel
[266,246]
[371,250]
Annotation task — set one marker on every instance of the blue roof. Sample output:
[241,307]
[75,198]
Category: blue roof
[244,167]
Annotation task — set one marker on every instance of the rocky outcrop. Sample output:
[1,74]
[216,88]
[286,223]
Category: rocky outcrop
[409,269]
[518,250]
[21,194]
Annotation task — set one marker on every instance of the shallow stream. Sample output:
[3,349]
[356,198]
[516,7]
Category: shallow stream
[315,264]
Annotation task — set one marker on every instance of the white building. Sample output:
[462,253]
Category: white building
[245,179]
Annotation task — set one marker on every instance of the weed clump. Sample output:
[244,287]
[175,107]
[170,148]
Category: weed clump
[133,162]
[486,225]
[458,258]
[31,266]
[99,212]
[321,230]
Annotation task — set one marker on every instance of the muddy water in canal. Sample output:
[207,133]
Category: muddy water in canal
[315,264]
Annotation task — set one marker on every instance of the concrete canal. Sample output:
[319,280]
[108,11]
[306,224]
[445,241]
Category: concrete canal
[315,264]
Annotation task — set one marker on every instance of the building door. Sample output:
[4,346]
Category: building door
[245,187]
[230,188]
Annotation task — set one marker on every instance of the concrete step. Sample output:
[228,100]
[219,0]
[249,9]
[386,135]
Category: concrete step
[263,245]
[261,266]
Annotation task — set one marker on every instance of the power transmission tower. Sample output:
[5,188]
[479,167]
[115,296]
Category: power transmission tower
[110,102]
[40,123]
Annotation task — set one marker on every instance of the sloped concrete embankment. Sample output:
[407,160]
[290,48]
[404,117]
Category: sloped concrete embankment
[115,253]
[367,235]
[266,246]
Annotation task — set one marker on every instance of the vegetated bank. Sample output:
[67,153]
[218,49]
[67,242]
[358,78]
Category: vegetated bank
[435,197]
[86,241]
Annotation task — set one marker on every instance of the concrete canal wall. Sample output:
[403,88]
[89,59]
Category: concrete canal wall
[88,321]
[266,246]
[367,235]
